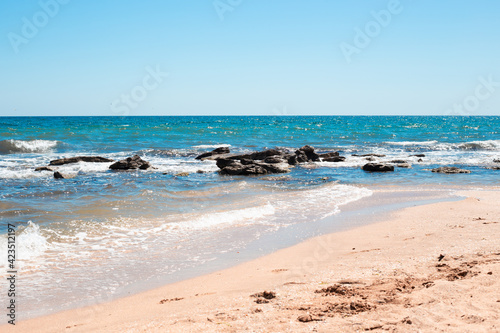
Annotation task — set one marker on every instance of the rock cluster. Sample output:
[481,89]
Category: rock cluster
[263,162]
[130,163]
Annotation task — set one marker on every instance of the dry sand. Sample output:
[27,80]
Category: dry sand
[433,268]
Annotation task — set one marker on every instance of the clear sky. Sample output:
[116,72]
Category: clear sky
[225,57]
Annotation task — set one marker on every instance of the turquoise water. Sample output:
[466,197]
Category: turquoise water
[151,225]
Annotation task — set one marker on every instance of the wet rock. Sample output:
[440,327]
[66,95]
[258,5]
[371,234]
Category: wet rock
[334,159]
[328,155]
[131,163]
[243,170]
[182,174]
[224,162]
[217,151]
[308,151]
[497,160]
[93,159]
[420,160]
[418,155]
[398,161]
[58,175]
[378,167]
[450,170]
[274,159]
[259,155]
[292,159]
[44,168]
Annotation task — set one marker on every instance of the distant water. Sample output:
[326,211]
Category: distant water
[127,226]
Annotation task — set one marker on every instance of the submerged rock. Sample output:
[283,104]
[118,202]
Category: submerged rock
[328,155]
[182,174]
[334,159]
[93,159]
[450,170]
[58,175]
[378,167]
[44,168]
[130,163]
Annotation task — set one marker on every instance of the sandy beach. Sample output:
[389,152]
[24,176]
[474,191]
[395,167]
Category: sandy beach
[431,268]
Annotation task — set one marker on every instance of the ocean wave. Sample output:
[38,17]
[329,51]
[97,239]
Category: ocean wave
[30,244]
[480,145]
[27,146]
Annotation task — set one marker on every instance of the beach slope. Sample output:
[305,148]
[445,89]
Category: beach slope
[427,268]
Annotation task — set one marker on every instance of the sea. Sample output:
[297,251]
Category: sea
[104,234]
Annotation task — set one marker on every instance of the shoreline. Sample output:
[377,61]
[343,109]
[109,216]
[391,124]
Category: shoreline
[288,271]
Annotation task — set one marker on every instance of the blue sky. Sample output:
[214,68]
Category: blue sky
[224,57]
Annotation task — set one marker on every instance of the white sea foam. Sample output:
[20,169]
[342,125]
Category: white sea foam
[30,244]
[212,146]
[27,146]
[412,143]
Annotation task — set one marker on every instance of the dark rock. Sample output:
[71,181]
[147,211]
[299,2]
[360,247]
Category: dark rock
[450,170]
[224,162]
[327,155]
[496,161]
[258,155]
[275,167]
[44,168]
[398,161]
[494,168]
[418,155]
[334,159]
[369,155]
[370,158]
[93,159]
[309,152]
[420,160]
[292,159]
[378,167]
[243,170]
[274,159]
[130,163]
[246,161]
[216,151]
[301,157]
[58,175]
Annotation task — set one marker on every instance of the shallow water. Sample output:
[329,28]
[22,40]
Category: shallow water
[154,227]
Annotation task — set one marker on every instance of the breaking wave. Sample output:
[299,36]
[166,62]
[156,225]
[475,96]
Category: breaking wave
[27,146]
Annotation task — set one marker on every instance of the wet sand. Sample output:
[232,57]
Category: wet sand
[428,268]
